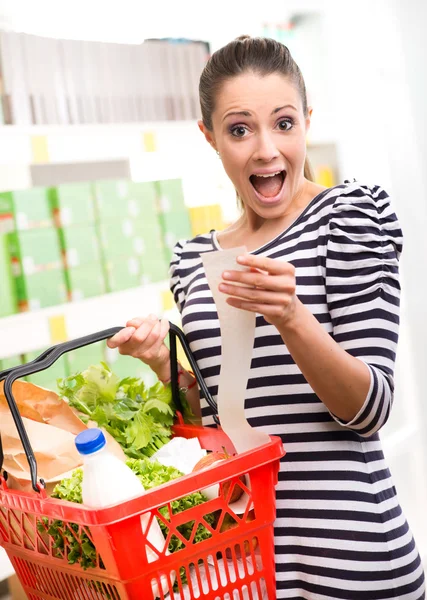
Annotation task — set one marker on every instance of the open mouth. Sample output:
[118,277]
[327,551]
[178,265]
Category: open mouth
[268,186]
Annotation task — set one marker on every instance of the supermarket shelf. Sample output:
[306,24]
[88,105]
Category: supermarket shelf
[68,143]
[31,331]
[53,174]
[153,151]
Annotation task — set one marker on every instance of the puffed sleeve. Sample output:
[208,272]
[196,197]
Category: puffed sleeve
[363,293]
[174,274]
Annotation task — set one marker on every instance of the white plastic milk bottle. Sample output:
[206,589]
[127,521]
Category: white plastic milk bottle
[107,481]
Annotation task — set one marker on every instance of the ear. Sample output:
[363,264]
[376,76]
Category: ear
[209,136]
[308,119]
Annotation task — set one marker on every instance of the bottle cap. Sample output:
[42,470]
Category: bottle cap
[90,441]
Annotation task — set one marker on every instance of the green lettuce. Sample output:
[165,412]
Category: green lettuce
[139,419]
[75,542]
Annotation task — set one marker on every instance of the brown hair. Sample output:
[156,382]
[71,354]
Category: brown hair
[263,56]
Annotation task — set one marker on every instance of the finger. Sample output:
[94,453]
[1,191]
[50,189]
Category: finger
[244,305]
[164,328]
[259,296]
[260,280]
[138,321]
[141,339]
[161,331]
[152,343]
[122,337]
[271,265]
[267,311]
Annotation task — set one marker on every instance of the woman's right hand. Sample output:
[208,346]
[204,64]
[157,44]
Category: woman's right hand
[144,338]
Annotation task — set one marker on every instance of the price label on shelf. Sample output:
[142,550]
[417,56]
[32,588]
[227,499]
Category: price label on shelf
[58,329]
[149,141]
[40,149]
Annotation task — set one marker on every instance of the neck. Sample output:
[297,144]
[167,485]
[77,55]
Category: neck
[253,231]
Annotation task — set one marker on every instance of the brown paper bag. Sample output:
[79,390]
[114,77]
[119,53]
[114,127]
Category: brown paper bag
[44,406]
[51,425]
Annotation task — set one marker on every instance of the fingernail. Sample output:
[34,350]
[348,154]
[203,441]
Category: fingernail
[226,275]
[222,287]
[240,259]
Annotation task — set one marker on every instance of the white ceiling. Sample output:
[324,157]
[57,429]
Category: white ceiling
[130,21]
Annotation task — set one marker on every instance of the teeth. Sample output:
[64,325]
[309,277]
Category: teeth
[269,175]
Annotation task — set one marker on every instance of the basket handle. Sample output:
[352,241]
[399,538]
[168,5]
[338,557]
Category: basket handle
[50,356]
[3,376]
[174,333]
[44,361]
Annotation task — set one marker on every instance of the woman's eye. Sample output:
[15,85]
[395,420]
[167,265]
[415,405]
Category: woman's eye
[285,124]
[238,131]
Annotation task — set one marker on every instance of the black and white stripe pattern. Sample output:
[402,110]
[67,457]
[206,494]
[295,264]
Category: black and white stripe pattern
[340,532]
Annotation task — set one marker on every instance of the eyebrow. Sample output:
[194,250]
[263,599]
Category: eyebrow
[246,113]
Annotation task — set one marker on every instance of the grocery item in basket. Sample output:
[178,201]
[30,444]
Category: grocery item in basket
[42,405]
[51,426]
[180,453]
[76,543]
[53,447]
[138,418]
[108,481]
[213,491]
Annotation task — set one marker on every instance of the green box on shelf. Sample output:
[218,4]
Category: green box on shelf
[32,250]
[82,358]
[80,245]
[8,300]
[144,190]
[151,234]
[154,269]
[145,195]
[111,199]
[127,366]
[24,209]
[175,226]
[48,378]
[120,238]
[124,198]
[85,281]
[123,273]
[41,289]
[72,204]
[170,196]
[36,268]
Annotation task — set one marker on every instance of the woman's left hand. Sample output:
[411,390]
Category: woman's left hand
[270,288]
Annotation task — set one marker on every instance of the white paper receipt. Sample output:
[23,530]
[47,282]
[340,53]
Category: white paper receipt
[237,339]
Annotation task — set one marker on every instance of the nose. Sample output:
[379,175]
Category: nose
[266,149]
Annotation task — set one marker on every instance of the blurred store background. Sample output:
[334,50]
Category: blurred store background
[103,168]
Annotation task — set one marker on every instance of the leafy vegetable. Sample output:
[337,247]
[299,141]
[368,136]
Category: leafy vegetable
[68,538]
[71,539]
[70,488]
[152,474]
[138,418]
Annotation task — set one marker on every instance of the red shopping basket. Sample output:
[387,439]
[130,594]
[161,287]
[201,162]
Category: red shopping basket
[236,561]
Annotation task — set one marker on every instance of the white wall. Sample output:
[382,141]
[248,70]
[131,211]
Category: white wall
[378,94]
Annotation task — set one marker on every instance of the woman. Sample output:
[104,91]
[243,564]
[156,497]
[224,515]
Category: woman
[323,281]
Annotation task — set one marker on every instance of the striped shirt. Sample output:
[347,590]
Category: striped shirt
[340,532]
